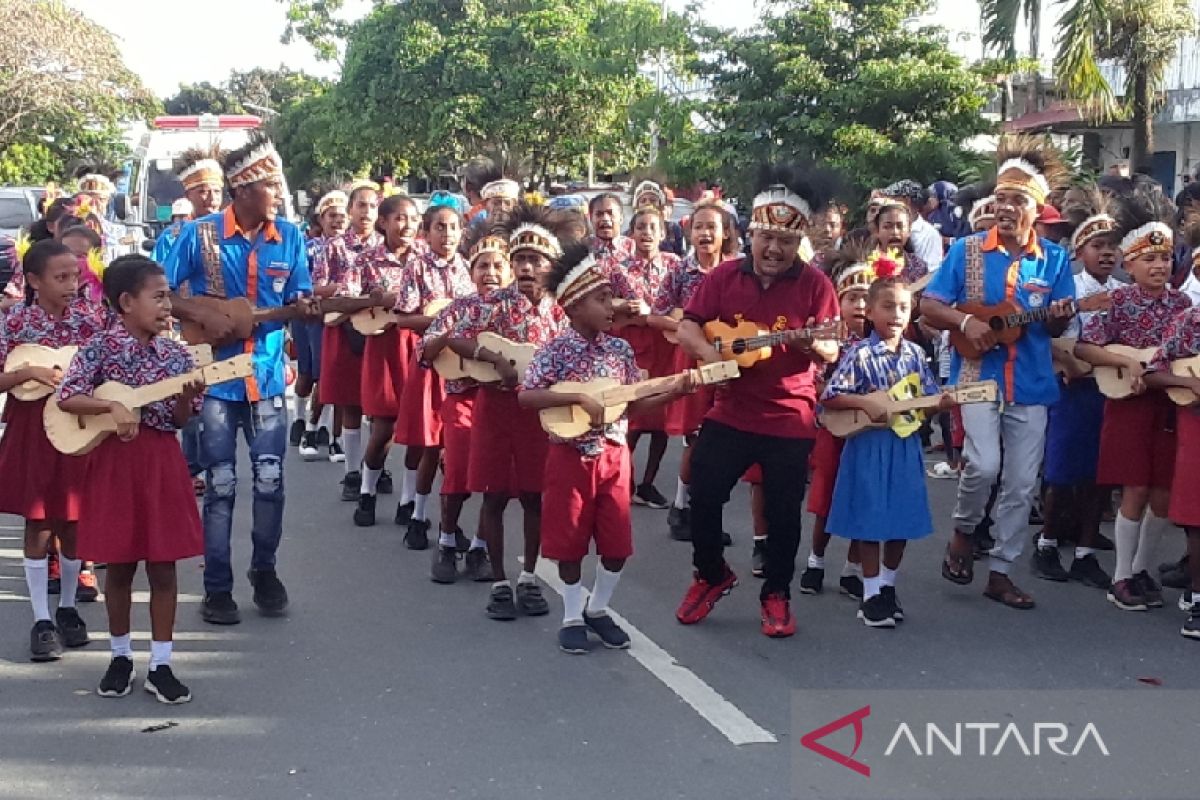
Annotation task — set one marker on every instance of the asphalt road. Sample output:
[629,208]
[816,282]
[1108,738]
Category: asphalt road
[380,683]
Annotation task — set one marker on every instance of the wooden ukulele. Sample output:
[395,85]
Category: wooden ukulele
[375,320]
[747,343]
[1117,382]
[76,435]
[571,422]
[242,317]
[1184,368]
[37,355]
[452,366]
[845,423]
[1008,320]
[1062,350]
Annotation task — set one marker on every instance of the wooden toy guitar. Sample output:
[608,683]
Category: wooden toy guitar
[747,343]
[37,355]
[1184,368]
[242,317]
[845,423]
[1062,349]
[76,435]
[1008,320]
[1117,382]
[570,422]
[452,366]
[375,320]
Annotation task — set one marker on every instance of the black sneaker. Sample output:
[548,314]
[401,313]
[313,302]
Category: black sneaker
[648,495]
[461,543]
[118,678]
[44,642]
[610,632]
[500,603]
[165,687]
[1035,514]
[877,612]
[404,512]
[1150,589]
[445,565]
[384,484]
[812,580]
[758,558]
[1176,575]
[269,594]
[1047,566]
[476,566]
[889,593]
[336,454]
[70,627]
[1103,543]
[679,523]
[309,449]
[1087,570]
[573,639]
[726,539]
[364,515]
[296,433]
[351,486]
[1191,625]
[322,437]
[851,586]
[220,609]
[416,537]
[530,600]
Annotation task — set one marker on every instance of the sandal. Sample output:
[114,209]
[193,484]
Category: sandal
[1007,592]
[957,568]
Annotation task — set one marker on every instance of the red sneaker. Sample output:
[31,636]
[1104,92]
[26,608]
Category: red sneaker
[88,591]
[777,619]
[702,596]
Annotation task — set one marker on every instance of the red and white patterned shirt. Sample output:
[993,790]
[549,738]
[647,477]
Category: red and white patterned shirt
[446,322]
[511,314]
[619,246]
[381,269]
[1181,339]
[1136,319]
[24,324]
[431,278]
[340,262]
[679,286]
[637,278]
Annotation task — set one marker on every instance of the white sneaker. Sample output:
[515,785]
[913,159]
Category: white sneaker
[308,447]
[942,470]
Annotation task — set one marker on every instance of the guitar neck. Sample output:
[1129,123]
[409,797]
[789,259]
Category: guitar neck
[1031,316]
[168,387]
[636,391]
[774,339]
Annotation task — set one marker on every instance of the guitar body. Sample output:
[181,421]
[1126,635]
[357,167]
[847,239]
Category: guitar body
[1063,351]
[37,355]
[451,366]
[994,317]
[76,436]
[372,321]
[902,401]
[238,310]
[571,422]
[1116,382]
[517,354]
[728,339]
[846,422]
[1184,368]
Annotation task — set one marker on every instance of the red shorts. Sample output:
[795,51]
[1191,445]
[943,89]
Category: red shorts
[958,434]
[656,356]
[508,446]
[1137,442]
[753,475]
[386,364]
[340,370]
[685,414]
[826,455]
[586,499]
[37,482]
[1185,488]
[457,413]
[420,420]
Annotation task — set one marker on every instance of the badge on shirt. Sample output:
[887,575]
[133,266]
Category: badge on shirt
[278,272]
[1037,291]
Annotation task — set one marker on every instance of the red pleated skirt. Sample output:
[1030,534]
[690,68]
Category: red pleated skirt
[341,370]
[457,417]
[138,502]
[685,414]
[37,481]
[420,421]
[387,363]
[656,356]
[826,455]
[1185,485]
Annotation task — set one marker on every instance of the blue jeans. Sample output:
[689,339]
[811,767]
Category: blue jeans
[190,440]
[264,427]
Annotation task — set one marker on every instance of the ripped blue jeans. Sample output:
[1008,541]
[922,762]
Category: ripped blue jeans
[264,427]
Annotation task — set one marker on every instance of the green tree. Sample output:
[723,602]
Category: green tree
[315,143]
[1142,36]
[202,98]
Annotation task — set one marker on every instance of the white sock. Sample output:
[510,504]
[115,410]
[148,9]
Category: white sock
[526,577]
[353,446]
[37,572]
[1149,535]
[1044,542]
[602,592]
[326,420]
[71,567]
[300,407]
[850,568]
[1084,552]
[478,544]
[121,646]
[160,654]
[573,604]
[871,587]
[310,426]
[681,493]
[419,506]
[815,561]
[1125,532]
[887,576]
[446,539]
[408,486]
[370,479]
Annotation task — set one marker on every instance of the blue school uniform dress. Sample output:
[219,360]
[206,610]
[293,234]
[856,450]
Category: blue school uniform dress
[880,490]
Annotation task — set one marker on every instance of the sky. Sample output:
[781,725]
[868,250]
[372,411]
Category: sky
[166,45]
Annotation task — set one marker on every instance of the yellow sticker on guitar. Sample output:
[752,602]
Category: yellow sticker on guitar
[906,423]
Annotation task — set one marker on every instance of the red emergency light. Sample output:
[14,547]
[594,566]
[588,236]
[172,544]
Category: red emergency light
[207,122]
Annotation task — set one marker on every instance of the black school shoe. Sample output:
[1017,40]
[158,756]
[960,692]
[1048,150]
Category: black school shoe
[610,632]
[296,433]
[384,485]
[889,594]
[351,486]
[269,594]
[1047,566]
[648,495]
[118,678]
[851,586]
[364,515]
[530,600]
[1150,589]
[476,566]
[219,608]
[416,537]
[812,580]
[1087,570]
[877,612]
[45,644]
[679,523]
[404,512]
[573,639]
[71,627]
[500,604]
[165,687]
[322,437]
[445,565]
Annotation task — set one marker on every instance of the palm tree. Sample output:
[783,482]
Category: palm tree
[1142,36]
[1000,19]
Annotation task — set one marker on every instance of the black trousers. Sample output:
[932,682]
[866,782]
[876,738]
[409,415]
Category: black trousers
[720,456]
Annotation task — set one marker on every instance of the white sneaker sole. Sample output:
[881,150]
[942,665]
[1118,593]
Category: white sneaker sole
[888,622]
[1125,606]
[152,689]
[127,690]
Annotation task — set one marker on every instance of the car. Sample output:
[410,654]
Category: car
[18,212]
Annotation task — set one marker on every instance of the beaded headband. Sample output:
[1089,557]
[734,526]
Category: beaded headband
[536,238]
[1153,237]
[488,244]
[504,189]
[779,209]
[260,164]
[1018,175]
[1090,228]
[205,172]
[585,277]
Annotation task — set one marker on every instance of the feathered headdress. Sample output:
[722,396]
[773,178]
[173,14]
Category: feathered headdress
[480,239]
[1090,213]
[1144,221]
[788,194]
[200,166]
[1030,165]
[575,274]
[256,161]
[848,267]
[95,262]
[534,227]
[22,244]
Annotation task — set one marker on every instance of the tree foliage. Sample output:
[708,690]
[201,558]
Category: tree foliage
[242,92]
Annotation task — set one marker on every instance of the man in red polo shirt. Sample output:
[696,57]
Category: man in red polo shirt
[766,416]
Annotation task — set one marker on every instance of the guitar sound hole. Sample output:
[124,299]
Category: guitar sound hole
[738,347]
[996,324]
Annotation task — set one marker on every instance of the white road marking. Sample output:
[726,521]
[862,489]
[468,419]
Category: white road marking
[705,700]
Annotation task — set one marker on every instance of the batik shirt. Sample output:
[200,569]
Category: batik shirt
[340,267]
[315,247]
[1086,286]
[33,325]
[869,366]
[509,313]
[1135,318]
[1181,339]
[382,270]
[637,278]
[116,355]
[446,322]
[571,357]
[619,246]
[432,278]
[679,286]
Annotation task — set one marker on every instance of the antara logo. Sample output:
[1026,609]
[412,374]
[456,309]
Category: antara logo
[811,740]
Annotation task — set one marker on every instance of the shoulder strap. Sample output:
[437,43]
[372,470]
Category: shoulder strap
[211,252]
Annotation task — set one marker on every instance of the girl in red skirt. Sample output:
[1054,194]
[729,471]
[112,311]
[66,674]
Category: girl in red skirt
[639,279]
[1137,437]
[439,274]
[41,484]
[1182,340]
[713,235]
[388,357]
[137,503]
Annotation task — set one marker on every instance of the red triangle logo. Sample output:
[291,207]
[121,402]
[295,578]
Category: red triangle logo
[812,740]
